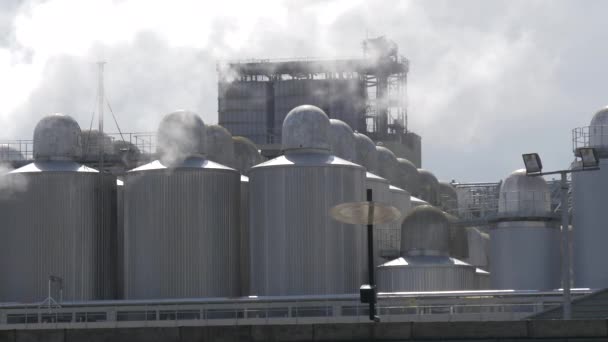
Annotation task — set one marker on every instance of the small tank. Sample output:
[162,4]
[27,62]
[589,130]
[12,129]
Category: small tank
[524,243]
[220,146]
[429,187]
[182,230]
[387,165]
[58,219]
[408,176]
[296,247]
[91,145]
[424,264]
[246,154]
[366,153]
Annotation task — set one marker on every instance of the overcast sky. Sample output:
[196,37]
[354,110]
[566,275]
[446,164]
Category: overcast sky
[488,80]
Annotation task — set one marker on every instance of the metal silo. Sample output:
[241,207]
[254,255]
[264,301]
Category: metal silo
[448,198]
[182,219]
[524,243]
[342,140]
[9,153]
[219,145]
[590,195]
[429,187]
[296,248]
[387,165]
[408,176]
[424,264]
[120,238]
[244,237]
[246,154]
[366,152]
[390,234]
[58,221]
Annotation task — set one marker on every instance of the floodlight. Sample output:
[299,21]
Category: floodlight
[588,157]
[533,163]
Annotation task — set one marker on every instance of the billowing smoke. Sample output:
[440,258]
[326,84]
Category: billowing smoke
[180,135]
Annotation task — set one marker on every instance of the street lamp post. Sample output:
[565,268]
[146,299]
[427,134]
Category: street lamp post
[368,213]
[534,167]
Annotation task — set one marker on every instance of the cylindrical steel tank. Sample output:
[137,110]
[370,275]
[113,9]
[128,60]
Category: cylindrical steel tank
[459,242]
[428,187]
[366,153]
[342,140]
[58,220]
[525,244]
[182,219]
[246,154]
[244,236]
[424,264]
[296,247]
[381,193]
[389,235]
[589,196]
[387,165]
[483,279]
[120,239]
[408,176]
[8,153]
[219,144]
[479,248]
[448,198]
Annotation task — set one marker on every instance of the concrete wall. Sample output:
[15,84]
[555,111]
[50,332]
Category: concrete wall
[564,331]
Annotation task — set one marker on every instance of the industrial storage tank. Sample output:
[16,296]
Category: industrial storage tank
[246,154]
[220,147]
[8,153]
[296,247]
[428,187]
[58,220]
[479,248]
[389,234]
[366,152]
[424,264]
[387,165]
[342,140]
[408,176]
[448,198]
[589,196]
[244,237]
[182,219]
[525,242]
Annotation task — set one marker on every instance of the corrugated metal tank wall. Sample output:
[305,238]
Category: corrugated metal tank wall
[244,235]
[182,231]
[120,239]
[380,193]
[58,226]
[296,248]
[390,234]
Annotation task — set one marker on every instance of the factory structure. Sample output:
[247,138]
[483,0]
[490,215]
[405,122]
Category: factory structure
[232,222]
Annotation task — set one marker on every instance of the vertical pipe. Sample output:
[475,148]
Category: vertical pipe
[565,248]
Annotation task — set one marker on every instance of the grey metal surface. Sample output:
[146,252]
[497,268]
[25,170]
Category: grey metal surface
[220,147]
[598,132]
[120,239]
[479,248]
[408,176]
[57,137]
[525,255]
[182,231]
[425,231]
[428,187]
[426,273]
[306,127]
[296,248]
[342,140]
[459,242]
[387,165]
[589,233]
[246,154]
[366,153]
[8,153]
[180,135]
[524,196]
[483,279]
[380,193]
[390,234]
[56,224]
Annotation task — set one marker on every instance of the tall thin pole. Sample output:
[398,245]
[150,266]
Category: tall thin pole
[370,257]
[565,248]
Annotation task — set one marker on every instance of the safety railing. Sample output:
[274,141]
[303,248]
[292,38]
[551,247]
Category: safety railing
[589,136]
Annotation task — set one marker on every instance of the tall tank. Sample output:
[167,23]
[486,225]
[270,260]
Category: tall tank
[428,187]
[424,264]
[590,195]
[387,165]
[120,238]
[244,237]
[220,147]
[58,220]
[246,154]
[390,234]
[342,140]
[182,219]
[366,153]
[408,176]
[524,243]
[448,198]
[296,248]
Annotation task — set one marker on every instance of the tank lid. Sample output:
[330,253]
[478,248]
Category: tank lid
[306,128]
[181,135]
[54,166]
[425,231]
[306,159]
[57,137]
[524,196]
[425,261]
[189,163]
